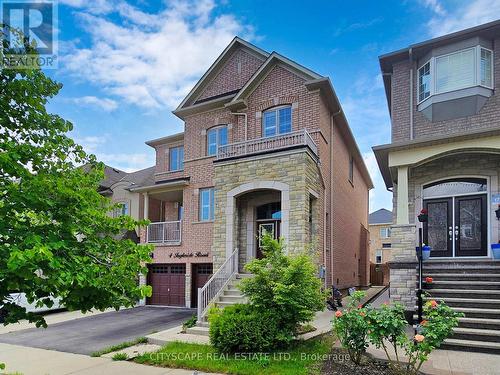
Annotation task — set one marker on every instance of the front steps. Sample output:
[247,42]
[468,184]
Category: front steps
[473,288]
[231,295]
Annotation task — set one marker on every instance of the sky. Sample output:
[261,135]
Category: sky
[125,65]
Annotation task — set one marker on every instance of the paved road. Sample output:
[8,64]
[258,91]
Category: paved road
[89,334]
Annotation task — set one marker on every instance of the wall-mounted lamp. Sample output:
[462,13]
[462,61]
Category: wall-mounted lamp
[497,212]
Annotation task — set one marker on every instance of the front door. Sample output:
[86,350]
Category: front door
[457,226]
[272,227]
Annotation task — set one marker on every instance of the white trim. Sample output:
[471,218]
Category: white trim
[488,210]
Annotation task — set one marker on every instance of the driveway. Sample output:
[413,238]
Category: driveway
[93,333]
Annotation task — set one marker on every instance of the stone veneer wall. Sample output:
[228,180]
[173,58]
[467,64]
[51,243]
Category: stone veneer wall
[297,169]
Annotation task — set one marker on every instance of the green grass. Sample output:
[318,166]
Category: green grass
[123,345]
[305,357]
[120,357]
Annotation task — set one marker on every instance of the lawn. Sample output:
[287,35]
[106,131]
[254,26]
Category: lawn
[305,357]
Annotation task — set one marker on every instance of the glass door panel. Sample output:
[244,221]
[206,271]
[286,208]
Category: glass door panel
[470,226]
[438,231]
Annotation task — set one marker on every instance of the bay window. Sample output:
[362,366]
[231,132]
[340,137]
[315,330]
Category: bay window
[277,121]
[454,71]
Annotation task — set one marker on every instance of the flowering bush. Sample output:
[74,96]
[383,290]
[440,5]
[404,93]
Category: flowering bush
[351,327]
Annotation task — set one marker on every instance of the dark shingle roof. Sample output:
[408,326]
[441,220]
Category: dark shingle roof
[143,177]
[381,216]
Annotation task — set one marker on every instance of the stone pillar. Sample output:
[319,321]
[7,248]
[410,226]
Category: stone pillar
[189,280]
[403,273]
[142,282]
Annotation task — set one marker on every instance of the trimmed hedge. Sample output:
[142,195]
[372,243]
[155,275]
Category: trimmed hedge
[241,328]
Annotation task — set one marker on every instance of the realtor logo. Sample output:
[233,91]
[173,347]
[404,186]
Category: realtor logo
[33,22]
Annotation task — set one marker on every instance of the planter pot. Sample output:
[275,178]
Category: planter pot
[426,252]
[495,249]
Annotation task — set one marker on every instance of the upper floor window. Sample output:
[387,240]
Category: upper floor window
[277,121]
[454,71]
[216,137]
[176,158]
[385,232]
[121,210]
[378,257]
[206,204]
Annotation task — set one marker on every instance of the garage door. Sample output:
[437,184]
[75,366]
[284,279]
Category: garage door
[201,274]
[168,282]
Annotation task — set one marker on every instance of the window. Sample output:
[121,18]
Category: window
[378,257]
[454,71]
[424,82]
[206,204]
[386,245]
[385,232]
[351,169]
[216,137]
[485,71]
[121,210]
[277,121]
[176,158]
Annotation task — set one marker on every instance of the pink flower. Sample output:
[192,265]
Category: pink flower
[429,280]
[419,338]
[338,314]
[360,306]
[433,304]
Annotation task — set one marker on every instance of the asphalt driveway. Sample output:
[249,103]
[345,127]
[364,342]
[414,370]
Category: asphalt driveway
[93,333]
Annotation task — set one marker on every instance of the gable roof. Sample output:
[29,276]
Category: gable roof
[217,65]
[381,216]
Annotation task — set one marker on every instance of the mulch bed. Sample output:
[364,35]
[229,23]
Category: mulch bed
[338,363]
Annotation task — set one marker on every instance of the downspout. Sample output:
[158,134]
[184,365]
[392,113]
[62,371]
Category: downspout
[330,218]
[410,53]
[246,122]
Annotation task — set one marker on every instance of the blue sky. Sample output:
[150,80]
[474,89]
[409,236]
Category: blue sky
[126,64]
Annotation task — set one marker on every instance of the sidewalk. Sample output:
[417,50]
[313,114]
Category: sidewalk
[32,361]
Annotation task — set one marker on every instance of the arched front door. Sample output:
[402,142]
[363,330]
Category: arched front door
[268,217]
[458,222]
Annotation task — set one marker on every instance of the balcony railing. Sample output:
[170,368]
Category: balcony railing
[259,145]
[167,232]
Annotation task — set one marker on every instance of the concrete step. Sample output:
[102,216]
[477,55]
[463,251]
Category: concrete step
[474,313]
[223,304]
[198,330]
[475,334]
[464,293]
[471,346]
[232,299]
[469,270]
[480,323]
[463,285]
[243,275]
[233,292]
[450,276]
[469,302]
[202,324]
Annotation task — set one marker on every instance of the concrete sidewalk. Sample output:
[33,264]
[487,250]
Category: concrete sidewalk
[32,361]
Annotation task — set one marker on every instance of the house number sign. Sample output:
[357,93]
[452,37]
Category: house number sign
[197,254]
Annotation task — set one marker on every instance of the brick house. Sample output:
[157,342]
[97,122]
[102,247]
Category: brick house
[379,226]
[265,147]
[444,157]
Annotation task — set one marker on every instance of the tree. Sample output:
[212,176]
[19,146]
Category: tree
[56,237]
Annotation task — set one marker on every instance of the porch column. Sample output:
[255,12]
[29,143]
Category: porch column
[146,205]
[402,217]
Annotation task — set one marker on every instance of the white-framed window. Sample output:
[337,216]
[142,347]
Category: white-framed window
[216,137]
[378,256]
[276,121]
[385,232]
[121,210]
[176,158]
[454,71]
[206,204]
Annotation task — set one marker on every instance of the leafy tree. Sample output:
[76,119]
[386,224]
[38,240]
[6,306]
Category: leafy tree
[56,237]
[287,285]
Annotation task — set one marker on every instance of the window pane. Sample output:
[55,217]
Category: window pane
[454,187]
[212,142]
[206,204]
[269,123]
[222,136]
[486,67]
[285,120]
[455,71]
[424,82]
[181,157]
[211,207]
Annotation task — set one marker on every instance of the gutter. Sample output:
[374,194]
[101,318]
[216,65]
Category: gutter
[410,56]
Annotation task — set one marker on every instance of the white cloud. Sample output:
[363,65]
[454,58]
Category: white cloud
[435,6]
[471,13]
[150,60]
[105,104]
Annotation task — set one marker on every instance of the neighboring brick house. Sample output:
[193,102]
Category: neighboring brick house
[379,224]
[265,147]
[445,157]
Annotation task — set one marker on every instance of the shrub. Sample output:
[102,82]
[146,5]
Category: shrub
[243,328]
[191,322]
[120,357]
[286,286]
[351,327]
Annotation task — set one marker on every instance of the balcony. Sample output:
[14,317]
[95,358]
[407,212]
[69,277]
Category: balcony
[267,144]
[166,233]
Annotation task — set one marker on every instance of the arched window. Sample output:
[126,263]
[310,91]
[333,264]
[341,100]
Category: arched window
[277,120]
[216,137]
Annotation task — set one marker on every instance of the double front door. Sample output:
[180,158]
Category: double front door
[457,226]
